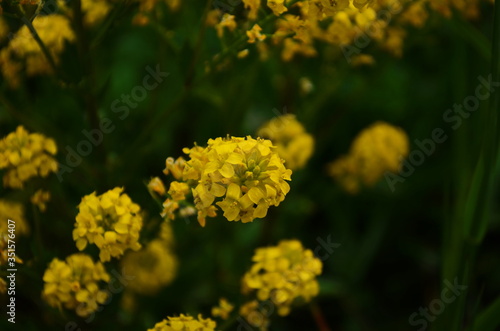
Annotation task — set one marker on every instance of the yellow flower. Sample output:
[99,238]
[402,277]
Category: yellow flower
[185,323]
[13,211]
[253,7]
[24,52]
[175,168]
[227,22]
[4,252]
[40,199]
[256,316]
[377,149]
[283,273]
[169,207]
[277,6]
[178,190]
[156,185]
[254,34]
[245,173]
[94,10]
[223,309]
[26,155]
[362,60]
[154,267]
[75,284]
[111,221]
[292,142]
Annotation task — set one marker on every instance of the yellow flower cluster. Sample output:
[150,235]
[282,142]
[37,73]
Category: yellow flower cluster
[283,273]
[343,22]
[292,142]
[154,267]
[223,309]
[185,323]
[24,54]
[40,199]
[74,284]
[251,311]
[377,149]
[94,11]
[242,176]
[24,155]
[13,211]
[111,221]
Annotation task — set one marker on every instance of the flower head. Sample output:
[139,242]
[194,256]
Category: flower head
[75,284]
[15,212]
[40,199]
[242,176]
[292,142]
[111,221]
[283,273]
[25,155]
[185,323]
[255,35]
[223,309]
[377,149]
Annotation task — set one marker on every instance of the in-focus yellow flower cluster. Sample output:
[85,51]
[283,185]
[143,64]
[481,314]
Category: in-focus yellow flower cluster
[283,273]
[24,155]
[379,148]
[185,323]
[111,221]
[154,266]
[23,54]
[75,284]
[292,142]
[242,176]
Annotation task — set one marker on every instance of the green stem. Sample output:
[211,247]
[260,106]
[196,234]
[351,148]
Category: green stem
[40,43]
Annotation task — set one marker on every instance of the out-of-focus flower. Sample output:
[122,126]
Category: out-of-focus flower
[377,149]
[227,22]
[24,155]
[253,8]
[154,267]
[223,309]
[4,252]
[277,6]
[156,185]
[94,11]
[13,211]
[23,52]
[254,34]
[283,273]
[147,8]
[185,323]
[254,315]
[292,142]
[111,221]
[178,190]
[40,199]
[75,284]
[362,60]
[246,173]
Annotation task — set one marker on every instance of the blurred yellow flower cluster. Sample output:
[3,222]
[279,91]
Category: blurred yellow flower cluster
[292,142]
[379,148]
[245,173]
[40,199]
[223,309]
[93,11]
[74,284]
[24,54]
[13,211]
[154,267]
[111,221]
[185,323]
[24,155]
[147,7]
[283,273]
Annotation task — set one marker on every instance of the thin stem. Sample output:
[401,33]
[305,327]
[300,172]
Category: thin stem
[40,43]
[319,318]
